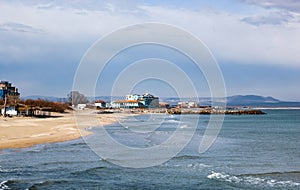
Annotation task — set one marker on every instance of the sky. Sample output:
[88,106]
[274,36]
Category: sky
[255,42]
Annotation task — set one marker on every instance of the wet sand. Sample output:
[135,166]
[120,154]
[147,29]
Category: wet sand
[21,132]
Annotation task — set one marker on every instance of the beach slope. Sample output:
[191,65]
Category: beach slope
[21,132]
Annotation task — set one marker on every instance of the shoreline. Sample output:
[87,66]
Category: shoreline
[24,132]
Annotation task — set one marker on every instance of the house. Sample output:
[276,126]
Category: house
[137,101]
[149,100]
[100,104]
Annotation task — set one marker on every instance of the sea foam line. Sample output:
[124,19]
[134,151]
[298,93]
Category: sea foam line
[251,180]
[3,186]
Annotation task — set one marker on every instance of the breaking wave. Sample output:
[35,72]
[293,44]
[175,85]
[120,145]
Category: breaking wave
[251,180]
[3,185]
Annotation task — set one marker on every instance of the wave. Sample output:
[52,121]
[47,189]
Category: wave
[92,170]
[3,185]
[13,184]
[78,144]
[252,180]
[274,173]
[61,163]
[184,127]
[172,121]
[198,165]
[48,183]
[6,170]
[195,165]
[183,157]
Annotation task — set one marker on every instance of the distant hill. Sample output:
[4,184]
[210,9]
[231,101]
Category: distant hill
[251,99]
[259,101]
[238,100]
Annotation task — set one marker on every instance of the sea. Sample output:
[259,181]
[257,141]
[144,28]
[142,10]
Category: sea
[250,152]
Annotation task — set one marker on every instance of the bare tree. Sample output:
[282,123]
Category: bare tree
[76,98]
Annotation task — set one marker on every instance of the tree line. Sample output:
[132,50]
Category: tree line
[74,98]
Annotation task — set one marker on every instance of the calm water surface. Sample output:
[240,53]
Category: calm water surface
[251,152]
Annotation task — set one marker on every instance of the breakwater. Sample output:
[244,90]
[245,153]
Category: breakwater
[215,111]
[205,111]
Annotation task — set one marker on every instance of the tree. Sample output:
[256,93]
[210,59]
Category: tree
[76,98]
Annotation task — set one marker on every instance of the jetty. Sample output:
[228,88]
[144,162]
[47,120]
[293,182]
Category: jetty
[202,111]
[216,111]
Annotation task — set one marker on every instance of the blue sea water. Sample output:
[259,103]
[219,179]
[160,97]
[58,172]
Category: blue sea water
[251,152]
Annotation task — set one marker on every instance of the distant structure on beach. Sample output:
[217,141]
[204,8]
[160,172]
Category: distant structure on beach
[7,90]
[137,101]
[188,104]
[9,95]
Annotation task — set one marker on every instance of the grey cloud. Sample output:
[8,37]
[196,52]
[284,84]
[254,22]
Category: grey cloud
[18,27]
[273,18]
[289,5]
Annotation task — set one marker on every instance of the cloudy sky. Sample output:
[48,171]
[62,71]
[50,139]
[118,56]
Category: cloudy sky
[255,42]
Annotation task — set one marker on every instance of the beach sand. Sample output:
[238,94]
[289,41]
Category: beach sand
[21,132]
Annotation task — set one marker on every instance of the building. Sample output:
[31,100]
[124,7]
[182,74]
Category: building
[188,104]
[7,90]
[81,106]
[133,97]
[100,104]
[9,94]
[126,104]
[9,111]
[137,101]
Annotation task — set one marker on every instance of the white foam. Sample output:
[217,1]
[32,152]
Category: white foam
[184,126]
[5,170]
[252,180]
[3,186]
[198,165]
[173,121]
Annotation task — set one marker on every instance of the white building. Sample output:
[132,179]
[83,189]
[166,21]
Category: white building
[81,106]
[10,111]
[137,101]
[100,104]
[188,104]
[125,104]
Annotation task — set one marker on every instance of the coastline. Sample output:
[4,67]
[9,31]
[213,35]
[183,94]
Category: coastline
[23,132]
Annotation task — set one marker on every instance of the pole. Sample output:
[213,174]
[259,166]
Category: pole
[4,106]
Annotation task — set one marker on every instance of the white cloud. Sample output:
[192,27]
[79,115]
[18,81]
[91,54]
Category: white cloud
[229,36]
[230,39]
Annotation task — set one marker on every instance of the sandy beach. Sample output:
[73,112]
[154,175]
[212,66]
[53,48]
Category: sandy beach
[21,132]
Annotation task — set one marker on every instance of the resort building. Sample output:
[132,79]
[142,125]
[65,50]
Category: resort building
[6,89]
[126,104]
[137,101]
